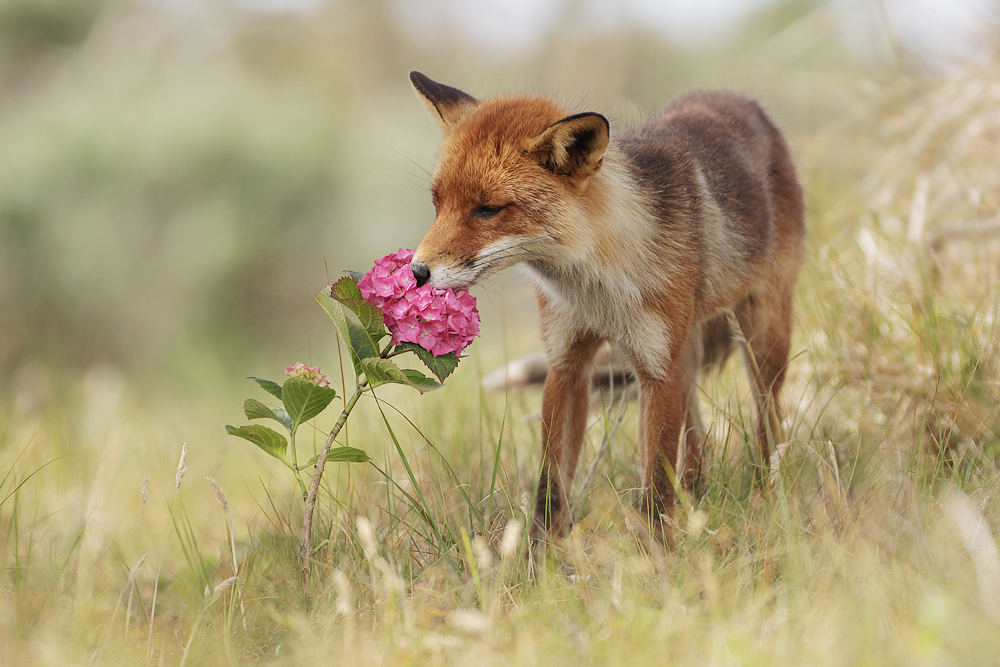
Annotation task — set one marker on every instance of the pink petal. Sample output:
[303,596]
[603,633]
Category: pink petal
[404,256]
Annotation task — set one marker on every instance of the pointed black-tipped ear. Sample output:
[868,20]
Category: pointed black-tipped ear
[448,105]
[574,146]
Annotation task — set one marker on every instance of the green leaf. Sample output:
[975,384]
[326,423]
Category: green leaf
[421,381]
[273,388]
[343,455]
[354,335]
[267,439]
[384,371]
[441,366]
[361,343]
[355,275]
[347,293]
[336,314]
[254,409]
[304,400]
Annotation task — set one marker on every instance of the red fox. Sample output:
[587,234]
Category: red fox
[648,240]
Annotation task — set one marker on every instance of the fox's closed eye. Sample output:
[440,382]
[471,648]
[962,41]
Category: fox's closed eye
[487,211]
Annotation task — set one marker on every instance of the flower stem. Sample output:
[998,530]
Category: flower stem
[305,546]
[295,464]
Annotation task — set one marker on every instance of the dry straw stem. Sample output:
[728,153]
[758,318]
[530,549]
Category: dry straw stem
[609,435]
[178,478]
[935,194]
[387,582]
[220,495]
[930,244]
[975,534]
[133,573]
[305,541]
[776,441]
[135,570]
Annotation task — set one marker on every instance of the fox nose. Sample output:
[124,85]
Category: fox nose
[421,272]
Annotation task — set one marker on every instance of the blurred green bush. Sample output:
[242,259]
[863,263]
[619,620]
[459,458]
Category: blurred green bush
[122,224]
[30,28]
[138,216]
[174,175]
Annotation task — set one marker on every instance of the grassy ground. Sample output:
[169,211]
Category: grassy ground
[875,546]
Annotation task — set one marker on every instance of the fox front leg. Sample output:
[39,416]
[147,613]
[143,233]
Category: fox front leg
[565,402]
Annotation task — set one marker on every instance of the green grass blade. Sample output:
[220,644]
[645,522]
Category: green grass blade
[422,507]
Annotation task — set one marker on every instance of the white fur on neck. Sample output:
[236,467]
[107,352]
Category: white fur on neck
[605,272]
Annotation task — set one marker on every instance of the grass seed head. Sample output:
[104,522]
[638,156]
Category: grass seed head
[182,465]
[220,495]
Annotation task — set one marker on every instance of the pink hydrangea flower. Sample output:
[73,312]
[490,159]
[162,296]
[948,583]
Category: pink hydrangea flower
[440,321]
[308,373]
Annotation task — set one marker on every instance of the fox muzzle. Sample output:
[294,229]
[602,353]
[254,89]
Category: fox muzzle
[421,272]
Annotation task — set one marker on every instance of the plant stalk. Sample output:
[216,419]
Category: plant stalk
[305,546]
[295,464]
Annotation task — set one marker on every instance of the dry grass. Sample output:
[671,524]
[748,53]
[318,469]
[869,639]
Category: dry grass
[877,545]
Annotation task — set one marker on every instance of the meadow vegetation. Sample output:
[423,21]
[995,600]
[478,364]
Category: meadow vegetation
[160,247]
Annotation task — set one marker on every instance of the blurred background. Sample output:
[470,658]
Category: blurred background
[179,177]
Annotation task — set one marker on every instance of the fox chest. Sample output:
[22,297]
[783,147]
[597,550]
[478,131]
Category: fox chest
[575,306]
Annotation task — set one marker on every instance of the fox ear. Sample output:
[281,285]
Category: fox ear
[448,105]
[574,146]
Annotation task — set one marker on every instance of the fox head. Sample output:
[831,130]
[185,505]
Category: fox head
[510,179]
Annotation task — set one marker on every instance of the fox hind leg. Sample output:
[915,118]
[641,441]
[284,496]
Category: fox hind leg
[662,421]
[766,323]
[709,346]
[690,456]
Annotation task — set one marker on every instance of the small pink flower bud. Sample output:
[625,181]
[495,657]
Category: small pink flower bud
[308,373]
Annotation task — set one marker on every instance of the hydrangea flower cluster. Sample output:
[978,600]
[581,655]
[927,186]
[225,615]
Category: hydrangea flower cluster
[307,373]
[440,321]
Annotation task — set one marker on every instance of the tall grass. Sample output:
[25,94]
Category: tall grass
[877,545]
